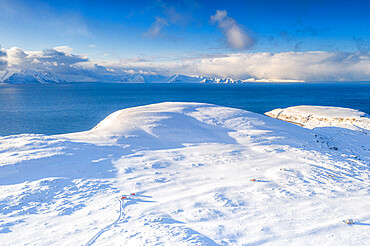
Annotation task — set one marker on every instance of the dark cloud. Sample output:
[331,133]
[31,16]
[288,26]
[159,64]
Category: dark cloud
[52,55]
[2,53]
[3,65]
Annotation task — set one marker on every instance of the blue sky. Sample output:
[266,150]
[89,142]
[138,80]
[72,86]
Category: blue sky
[181,36]
[118,28]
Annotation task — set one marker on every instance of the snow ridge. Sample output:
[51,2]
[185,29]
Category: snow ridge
[319,116]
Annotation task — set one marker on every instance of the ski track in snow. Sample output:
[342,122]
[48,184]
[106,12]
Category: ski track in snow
[93,239]
[191,166]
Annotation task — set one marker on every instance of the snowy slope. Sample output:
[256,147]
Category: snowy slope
[220,80]
[133,78]
[30,77]
[179,78]
[319,116]
[191,167]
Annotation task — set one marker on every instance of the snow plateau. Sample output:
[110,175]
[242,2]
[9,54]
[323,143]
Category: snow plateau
[202,175]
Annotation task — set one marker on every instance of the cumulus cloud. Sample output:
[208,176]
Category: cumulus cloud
[236,35]
[64,49]
[3,65]
[308,66]
[15,56]
[156,27]
[2,52]
[60,58]
[3,62]
[49,59]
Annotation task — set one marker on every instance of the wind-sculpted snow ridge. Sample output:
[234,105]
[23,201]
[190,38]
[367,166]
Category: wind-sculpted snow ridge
[186,174]
[319,116]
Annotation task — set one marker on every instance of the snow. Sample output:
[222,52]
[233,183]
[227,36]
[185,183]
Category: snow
[191,167]
[324,112]
[178,78]
[320,116]
[274,80]
[135,78]
[30,77]
[111,76]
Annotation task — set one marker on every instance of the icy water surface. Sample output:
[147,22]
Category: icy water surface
[64,108]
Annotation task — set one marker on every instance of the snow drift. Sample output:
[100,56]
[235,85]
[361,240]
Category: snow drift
[319,116]
[202,175]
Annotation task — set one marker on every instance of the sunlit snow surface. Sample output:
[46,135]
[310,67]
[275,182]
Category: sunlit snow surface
[191,167]
[320,116]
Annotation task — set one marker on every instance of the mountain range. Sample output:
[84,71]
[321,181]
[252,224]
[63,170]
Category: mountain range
[47,77]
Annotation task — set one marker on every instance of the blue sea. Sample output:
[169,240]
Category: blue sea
[65,108]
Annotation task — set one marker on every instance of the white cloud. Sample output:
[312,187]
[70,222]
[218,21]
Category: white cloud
[156,27]
[3,62]
[57,60]
[64,49]
[92,46]
[236,35]
[309,66]
[15,56]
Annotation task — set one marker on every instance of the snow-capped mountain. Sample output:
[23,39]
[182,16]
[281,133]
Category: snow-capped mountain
[103,75]
[133,78]
[219,80]
[30,77]
[179,78]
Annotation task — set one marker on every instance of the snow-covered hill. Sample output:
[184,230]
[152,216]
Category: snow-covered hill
[319,116]
[202,175]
